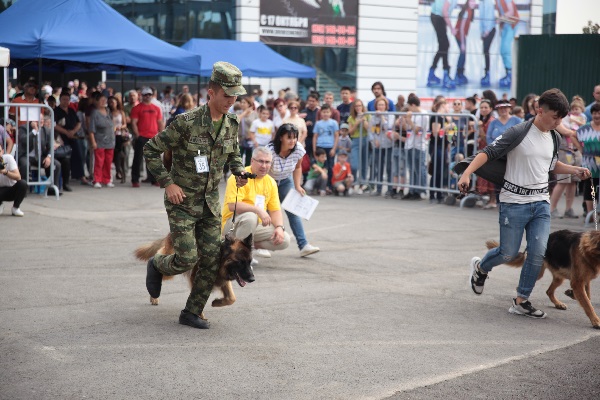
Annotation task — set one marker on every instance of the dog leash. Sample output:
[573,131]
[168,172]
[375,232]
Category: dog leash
[474,191]
[593,189]
[247,175]
[594,205]
[234,211]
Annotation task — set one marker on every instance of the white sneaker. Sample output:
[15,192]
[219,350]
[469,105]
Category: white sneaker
[308,250]
[253,262]
[17,212]
[97,185]
[262,253]
[1,209]
[110,185]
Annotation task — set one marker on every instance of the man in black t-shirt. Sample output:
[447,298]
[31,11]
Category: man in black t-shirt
[310,112]
[346,105]
[67,125]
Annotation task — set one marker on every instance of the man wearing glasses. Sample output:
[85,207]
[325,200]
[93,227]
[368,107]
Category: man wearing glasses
[146,122]
[202,141]
[257,207]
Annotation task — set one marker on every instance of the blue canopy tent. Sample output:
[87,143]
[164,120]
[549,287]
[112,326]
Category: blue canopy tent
[78,35]
[254,59]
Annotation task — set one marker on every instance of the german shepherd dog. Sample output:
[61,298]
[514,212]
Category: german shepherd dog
[569,255]
[235,259]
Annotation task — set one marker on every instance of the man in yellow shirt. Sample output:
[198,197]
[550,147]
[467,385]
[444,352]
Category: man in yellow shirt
[258,210]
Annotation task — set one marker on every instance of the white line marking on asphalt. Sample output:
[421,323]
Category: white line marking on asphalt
[418,383]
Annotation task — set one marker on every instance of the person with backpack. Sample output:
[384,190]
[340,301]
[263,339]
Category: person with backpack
[520,160]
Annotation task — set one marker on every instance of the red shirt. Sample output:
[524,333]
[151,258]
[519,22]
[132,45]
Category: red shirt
[23,100]
[339,173]
[147,116]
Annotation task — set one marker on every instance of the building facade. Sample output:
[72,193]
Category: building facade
[394,40]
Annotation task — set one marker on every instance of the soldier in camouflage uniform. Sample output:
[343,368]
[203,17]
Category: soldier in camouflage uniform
[202,141]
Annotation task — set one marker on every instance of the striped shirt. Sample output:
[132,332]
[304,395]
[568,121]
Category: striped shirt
[282,168]
[590,139]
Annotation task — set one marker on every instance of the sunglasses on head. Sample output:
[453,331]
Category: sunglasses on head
[289,128]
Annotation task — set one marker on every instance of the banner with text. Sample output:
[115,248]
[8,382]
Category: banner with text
[309,22]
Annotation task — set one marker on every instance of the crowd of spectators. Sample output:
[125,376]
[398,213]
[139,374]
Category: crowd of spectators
[383,144]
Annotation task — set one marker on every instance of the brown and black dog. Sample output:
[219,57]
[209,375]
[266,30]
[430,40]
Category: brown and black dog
[569,255]
[236,256]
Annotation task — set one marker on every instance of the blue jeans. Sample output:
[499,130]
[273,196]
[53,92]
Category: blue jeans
[418,170]
[360,146]
[285,185]
[382,162]
[534,220]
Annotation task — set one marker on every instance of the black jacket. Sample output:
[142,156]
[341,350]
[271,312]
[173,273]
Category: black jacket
[42,135]
[493,170]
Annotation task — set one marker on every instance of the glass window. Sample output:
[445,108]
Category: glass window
[177,21]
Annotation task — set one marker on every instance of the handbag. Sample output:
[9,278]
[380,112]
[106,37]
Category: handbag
[305,164]
[63,151]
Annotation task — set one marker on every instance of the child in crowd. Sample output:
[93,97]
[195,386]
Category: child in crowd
[519,112]
[453,175]
[317,176]
[262,128]
[326,135]
[342,178]
[576,118]
[344,141]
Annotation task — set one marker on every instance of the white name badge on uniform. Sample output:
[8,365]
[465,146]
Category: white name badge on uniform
[259,201]
[201,164]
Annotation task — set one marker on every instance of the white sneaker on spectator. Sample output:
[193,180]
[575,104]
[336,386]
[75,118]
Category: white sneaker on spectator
[17,212]
[110,185]
[97,185]
[262,253]
[1,208]
[308,250]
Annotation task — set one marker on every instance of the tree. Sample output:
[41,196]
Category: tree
[591,28]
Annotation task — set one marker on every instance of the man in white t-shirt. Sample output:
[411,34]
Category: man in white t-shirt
[262,129]
[530,149]
[417,142]
[12,187]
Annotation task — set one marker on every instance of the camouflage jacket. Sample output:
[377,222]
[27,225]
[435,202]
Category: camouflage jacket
[189,135]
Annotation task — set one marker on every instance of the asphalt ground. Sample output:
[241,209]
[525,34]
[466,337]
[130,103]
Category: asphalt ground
[384,311]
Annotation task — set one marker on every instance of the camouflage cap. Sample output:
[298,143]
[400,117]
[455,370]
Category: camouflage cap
[229,77]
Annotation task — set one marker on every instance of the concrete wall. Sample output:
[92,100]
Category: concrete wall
[387,47]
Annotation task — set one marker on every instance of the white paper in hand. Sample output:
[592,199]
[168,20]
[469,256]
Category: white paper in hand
[302,206]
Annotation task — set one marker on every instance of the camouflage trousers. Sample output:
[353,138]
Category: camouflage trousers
[196,240]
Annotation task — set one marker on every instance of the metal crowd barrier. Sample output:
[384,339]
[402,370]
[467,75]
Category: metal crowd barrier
[25,115]
[420,161]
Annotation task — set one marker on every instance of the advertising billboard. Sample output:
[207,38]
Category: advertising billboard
[466,46]
[332,23]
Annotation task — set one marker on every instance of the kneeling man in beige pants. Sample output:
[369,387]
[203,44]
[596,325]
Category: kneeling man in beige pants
[257,206]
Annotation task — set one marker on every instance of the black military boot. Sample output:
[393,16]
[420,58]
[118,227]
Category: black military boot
[193,320]
[153,279]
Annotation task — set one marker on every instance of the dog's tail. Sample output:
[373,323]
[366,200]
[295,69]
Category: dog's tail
[517,262]
[148,250]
